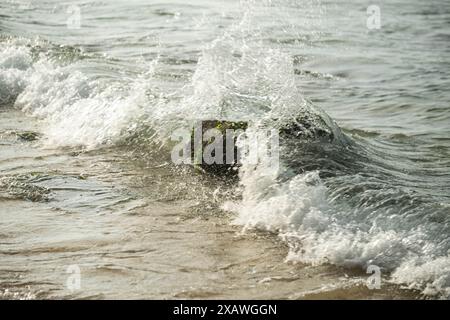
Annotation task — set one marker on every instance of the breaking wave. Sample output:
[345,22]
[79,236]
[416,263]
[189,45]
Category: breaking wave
[340,200]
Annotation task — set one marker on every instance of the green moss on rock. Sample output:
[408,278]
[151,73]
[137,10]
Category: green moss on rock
[28,135]
[221,169]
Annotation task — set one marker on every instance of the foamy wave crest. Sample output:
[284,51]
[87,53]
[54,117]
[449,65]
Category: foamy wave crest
[14,65]
[236,78]
[78,110]
[319,231]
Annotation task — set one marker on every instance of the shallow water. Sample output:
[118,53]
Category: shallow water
[97,188]
[136,231]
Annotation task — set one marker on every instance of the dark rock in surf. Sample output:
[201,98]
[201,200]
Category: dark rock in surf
[28,135]
[223,167]
[303,129]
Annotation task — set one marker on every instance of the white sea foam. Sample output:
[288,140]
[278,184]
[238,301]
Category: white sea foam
[318,231]
[76,110]
[14,63]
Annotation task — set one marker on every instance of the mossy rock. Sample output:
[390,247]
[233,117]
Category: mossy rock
[222,126]
[221,169]
[306,128]
[28,135]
